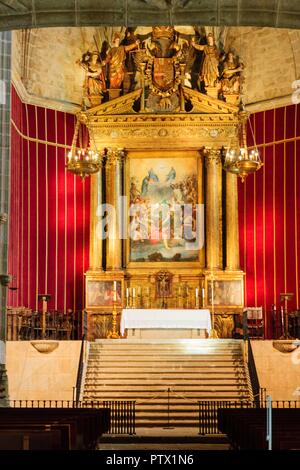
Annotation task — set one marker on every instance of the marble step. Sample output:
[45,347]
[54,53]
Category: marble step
[138,395]
[180,346]
[153,386]
[204,342]
[164,359]
[167,374]
[163,380]
[166,367]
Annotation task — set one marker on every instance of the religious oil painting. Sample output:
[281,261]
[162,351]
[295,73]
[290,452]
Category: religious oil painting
[100,293]
[163,209]
[225,293]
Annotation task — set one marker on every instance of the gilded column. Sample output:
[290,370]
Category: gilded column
[201,201]
[232,227]
[96,229]
[213,209]
[113,183]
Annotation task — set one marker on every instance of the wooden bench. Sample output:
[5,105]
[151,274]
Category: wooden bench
[246,428]
[67,428]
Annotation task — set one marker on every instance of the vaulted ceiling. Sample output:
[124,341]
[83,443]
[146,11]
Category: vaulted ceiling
[16,14]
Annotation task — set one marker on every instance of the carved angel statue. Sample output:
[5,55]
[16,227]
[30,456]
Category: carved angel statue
[115,60]
[230,78]
[94,83]
[209,72]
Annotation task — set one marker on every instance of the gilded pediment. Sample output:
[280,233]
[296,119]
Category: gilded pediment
[121,105]
[202,103]
[199,104]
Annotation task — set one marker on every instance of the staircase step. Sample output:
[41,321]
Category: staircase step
[143,370]
[199,395]
[161,381]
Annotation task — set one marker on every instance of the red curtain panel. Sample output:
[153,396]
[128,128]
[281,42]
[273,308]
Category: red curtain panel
[49,210]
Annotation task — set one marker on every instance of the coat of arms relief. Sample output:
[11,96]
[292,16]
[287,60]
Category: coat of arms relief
[162,62]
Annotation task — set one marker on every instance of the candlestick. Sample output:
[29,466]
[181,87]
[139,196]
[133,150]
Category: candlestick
[133,292]
[197,298]
[213,333]
[115,291]
[282,321]
[114,332]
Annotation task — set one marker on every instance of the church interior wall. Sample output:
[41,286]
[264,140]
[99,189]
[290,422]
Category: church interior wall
[49,229]
[277,372]
[37,376]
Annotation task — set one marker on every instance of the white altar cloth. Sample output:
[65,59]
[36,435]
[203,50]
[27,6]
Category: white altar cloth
[165,318]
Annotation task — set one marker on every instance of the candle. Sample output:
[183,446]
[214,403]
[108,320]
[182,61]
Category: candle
[133,292]
[203,293]
[115,291]
[127,292]
[197,292]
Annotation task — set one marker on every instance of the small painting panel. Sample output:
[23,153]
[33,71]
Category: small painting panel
[101,293]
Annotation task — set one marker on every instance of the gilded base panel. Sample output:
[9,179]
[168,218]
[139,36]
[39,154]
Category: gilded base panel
[100,325]
[219,291]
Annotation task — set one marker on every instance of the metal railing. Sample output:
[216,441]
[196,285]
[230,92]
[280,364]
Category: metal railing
[80,371]
[122,413]
[26,325]
[253,374]
[208,411]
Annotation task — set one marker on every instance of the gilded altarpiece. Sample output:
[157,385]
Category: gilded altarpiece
[165,148]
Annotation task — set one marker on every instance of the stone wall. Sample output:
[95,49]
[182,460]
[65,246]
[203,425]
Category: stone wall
[5,76]
[278,372]
[40,376]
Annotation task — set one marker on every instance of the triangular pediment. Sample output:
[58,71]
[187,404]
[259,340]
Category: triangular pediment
[201,104]
[206,104]
[121,105]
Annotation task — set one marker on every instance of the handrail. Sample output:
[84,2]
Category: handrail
[253,374]
[80,371]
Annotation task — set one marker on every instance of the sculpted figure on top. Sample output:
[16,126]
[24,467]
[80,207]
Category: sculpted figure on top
[162,63]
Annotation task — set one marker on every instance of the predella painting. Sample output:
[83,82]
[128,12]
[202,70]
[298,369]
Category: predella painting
[163,209]
[101,293]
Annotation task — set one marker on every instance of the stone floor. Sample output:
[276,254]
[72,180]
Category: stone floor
[164,439]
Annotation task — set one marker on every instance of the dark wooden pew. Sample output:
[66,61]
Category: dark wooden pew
[246,428]
[76,428]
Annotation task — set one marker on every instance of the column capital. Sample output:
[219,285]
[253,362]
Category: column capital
[114,156]
[212,156]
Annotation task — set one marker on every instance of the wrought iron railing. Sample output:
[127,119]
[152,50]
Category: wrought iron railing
[122,413]
[208,411]
[26,325]
[80,370]
[253,374]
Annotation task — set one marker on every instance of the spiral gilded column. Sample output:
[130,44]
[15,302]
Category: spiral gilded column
[114,190]
[213,208]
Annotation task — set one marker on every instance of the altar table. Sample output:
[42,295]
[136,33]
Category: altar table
[165,319]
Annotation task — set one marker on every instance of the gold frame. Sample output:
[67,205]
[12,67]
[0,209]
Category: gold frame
[103,276]
[226,276]
[163,153]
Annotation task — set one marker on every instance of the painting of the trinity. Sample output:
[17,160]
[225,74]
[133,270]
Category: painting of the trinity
[163,201]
